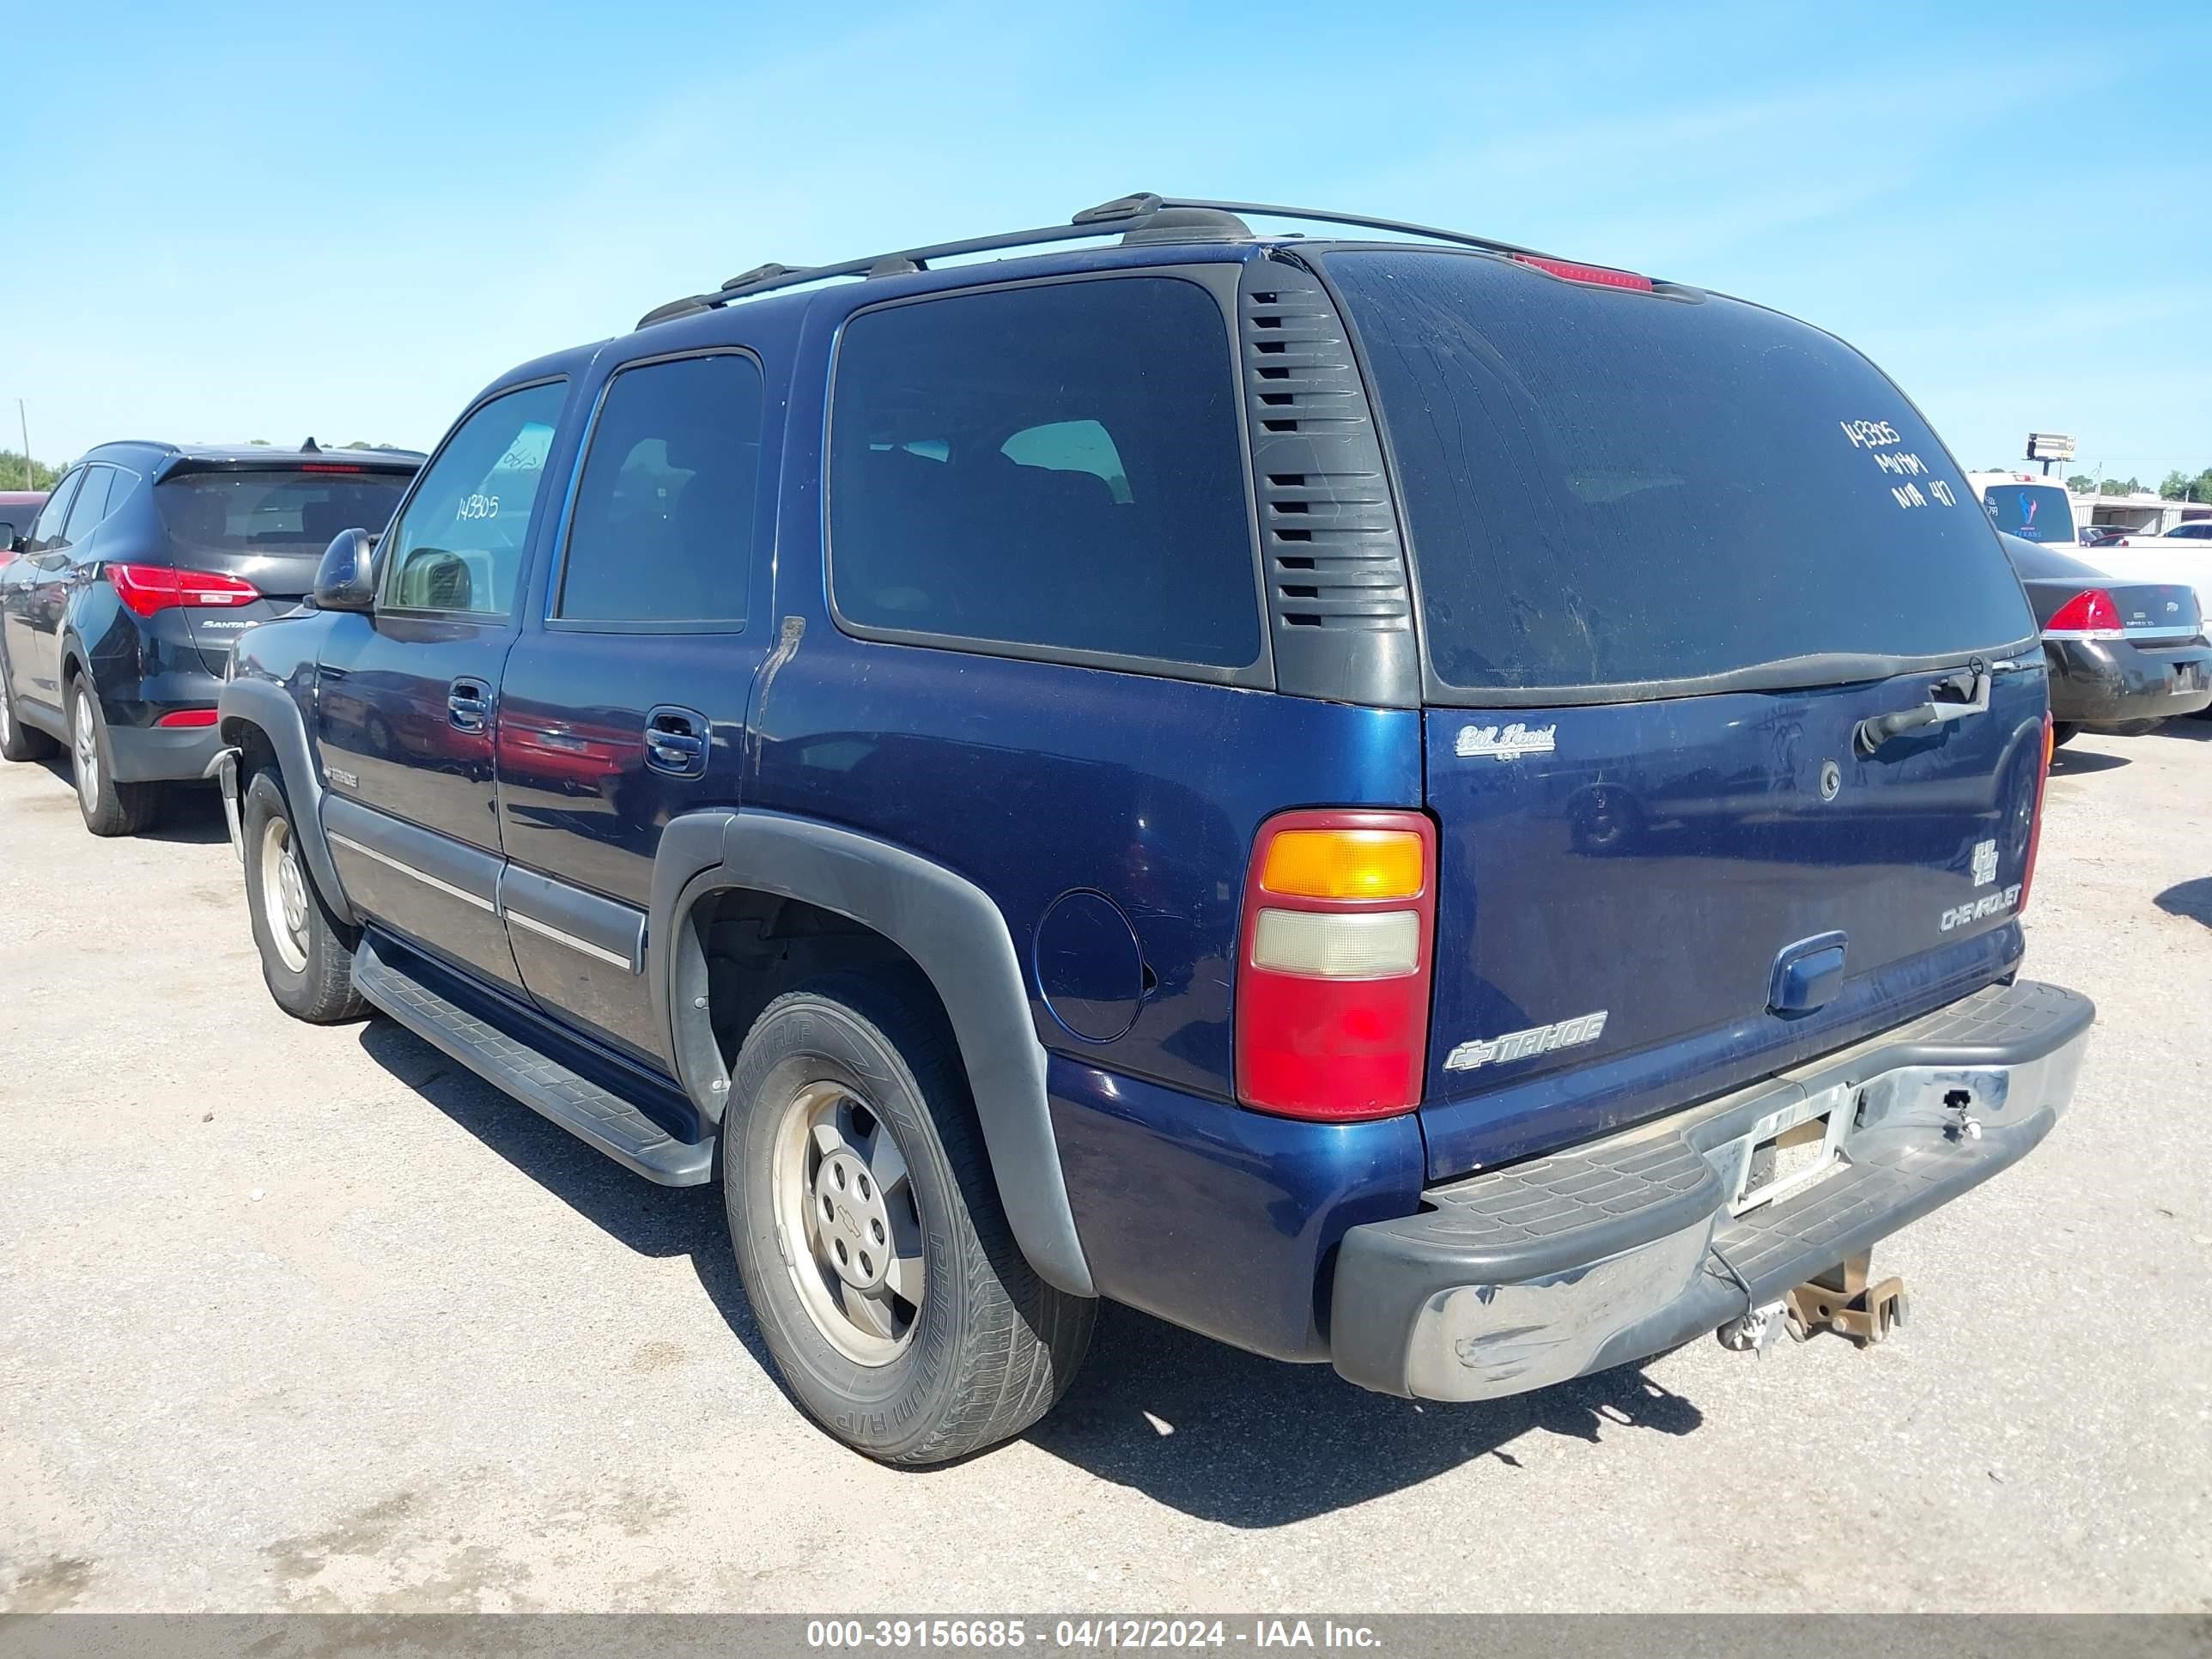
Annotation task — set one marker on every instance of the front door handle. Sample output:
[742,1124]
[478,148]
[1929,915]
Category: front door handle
[677,741]
[468,705]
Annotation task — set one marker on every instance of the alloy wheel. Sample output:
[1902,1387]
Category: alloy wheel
[84,748]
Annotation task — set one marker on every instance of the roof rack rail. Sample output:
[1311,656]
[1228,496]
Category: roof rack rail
[1129,214]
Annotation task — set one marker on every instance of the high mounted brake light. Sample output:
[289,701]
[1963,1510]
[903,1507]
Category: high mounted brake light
[146,588]
[1597,276]
[1334,965]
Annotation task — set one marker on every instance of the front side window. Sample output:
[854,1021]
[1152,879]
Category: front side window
[47,532]
[1055,467]
[662,528]
[460,545]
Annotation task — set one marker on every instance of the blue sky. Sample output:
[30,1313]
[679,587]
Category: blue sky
[268,221]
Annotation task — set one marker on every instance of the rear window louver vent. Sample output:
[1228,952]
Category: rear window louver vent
[1337,595]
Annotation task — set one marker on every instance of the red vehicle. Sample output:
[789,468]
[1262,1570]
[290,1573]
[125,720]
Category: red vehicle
[18,511]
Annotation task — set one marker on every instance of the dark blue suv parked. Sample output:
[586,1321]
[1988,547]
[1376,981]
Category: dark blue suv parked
[1402,803]
[117,612]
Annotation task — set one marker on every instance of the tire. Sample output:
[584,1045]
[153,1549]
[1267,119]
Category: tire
[984,1348]
[109,808]
[306,955]
[2063,732]
[19,742]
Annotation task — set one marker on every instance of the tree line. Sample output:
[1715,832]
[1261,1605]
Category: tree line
[2178,486]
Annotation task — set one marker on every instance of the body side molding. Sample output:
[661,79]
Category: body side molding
[947,924]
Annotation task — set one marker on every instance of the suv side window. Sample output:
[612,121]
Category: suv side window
[46,534]
[90,506]
[1056,466]
[662,529]
[458,546]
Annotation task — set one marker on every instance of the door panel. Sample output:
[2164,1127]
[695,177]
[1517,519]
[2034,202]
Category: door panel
[428,886]
[582,805]
[399,754]
[34,610]
[406,707]
[627,708]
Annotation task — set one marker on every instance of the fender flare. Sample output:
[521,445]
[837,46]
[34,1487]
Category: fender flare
[946,923]
[269,708]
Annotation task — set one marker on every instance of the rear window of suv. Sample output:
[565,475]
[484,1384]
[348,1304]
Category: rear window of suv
[1609,490]
[257,511]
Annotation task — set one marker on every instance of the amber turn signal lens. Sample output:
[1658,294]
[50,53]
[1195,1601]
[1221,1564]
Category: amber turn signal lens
[1343,864]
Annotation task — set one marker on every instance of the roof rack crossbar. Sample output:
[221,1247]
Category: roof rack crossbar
[1123,214]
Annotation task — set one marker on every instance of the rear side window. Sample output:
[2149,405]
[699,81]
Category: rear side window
[90,506]
[663,526]
[259,511]
[1056,467]
[2034,513]
[1609,488]
[458,547]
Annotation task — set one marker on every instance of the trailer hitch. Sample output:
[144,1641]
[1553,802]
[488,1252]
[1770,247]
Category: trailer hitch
[1841,1300]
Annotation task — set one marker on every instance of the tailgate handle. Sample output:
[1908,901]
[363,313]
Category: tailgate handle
[1970,695]
[1807,974]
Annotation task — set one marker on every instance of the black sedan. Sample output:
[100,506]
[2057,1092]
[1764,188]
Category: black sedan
[2124,655]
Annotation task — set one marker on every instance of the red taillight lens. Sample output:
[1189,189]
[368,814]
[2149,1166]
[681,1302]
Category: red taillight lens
[1334,959]
[2035,823]
[146,588]
[1602,276]
[2089,614]
[188,717]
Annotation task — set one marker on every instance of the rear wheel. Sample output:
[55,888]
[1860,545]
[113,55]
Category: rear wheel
[307,957]
[109,808]
[869,1234]
[18,742]
[2063,732]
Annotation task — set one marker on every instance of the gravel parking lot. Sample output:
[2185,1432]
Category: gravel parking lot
[310,1318]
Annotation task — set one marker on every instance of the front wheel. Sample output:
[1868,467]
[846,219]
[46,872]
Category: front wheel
[109,808]
[2063,732]
[869,1234]
[306,959]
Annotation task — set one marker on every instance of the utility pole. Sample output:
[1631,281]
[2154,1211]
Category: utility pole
[25,420]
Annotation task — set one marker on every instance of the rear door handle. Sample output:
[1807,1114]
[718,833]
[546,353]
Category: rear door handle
[468,705]
[677,741]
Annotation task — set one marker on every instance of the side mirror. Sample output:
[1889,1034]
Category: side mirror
[346,578]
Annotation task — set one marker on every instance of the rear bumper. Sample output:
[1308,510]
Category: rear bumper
[149,754]
[1625,1247]
[2113,683]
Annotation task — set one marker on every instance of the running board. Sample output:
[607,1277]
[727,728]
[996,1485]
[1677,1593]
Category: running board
[539,1082]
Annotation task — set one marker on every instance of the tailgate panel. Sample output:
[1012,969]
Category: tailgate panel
[1653,860]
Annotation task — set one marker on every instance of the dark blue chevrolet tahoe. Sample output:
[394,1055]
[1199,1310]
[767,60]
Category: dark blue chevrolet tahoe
[1392,800]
